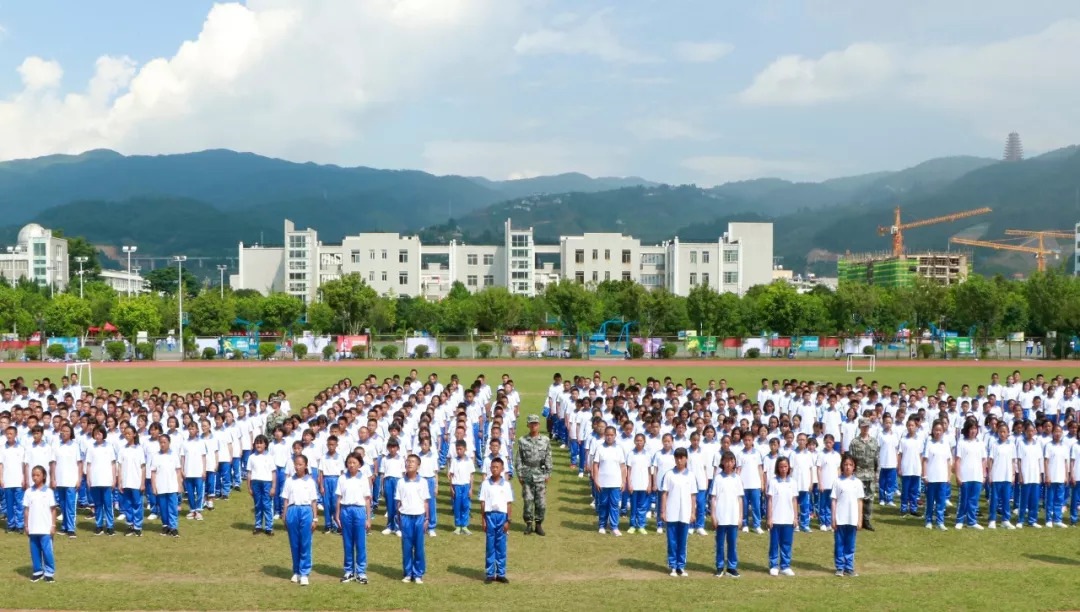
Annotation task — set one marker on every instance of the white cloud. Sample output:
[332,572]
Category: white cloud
[591,36]
[717,169]
[509,160]
[297,79]
[665,128]
[997,87]
[702,52]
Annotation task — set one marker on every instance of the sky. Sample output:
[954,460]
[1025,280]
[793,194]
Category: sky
[680,91]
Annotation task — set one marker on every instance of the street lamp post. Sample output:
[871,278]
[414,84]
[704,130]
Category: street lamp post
[180,259]
[81,261]
[131,280]
[221,269]
[129,250]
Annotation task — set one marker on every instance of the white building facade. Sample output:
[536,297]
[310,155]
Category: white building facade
[401,265]
[37,256]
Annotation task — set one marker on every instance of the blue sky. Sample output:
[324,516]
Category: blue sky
[678,91]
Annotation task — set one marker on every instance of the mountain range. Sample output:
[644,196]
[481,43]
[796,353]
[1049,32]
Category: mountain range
[205,203]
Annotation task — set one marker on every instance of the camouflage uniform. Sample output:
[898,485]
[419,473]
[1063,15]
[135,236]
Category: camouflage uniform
[532,459]
[865,452]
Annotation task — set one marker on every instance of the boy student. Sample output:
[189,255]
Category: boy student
[392,467]
[261,470]
[638,483]
[677,498]
[12,479]
[39,514]
[331,467]
[460,473]
[166,481]
[429,471]
[496,498]
[848,497]
[412,500]
[828,467]
[727,495]
[752,476]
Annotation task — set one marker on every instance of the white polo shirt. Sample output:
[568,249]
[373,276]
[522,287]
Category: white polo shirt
[461,470]
[354,490]
[609,461]
[131,460]
[13,460]
[911,448]
[39,504]
[67,455]
[846,492]
[193,452]
[261,466]
[39,454]
[727,495]
[1031,461]
[782,495]
[829,463]
[938,455]
[638,464]
[411,495]
[680,488]
[496,496]
[100,459]
[164,465]
[748,462]
[300,491]
[1057,459]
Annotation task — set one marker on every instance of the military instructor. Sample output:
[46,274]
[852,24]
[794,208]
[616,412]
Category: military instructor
[532,460]
[865,450]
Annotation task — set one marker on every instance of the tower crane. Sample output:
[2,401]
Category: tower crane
[897,228]
[1039,252]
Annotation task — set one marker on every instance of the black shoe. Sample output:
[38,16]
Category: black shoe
[362,580]
[540,528]
[138,533]
[165,531]
[488,579]
[37,577]
[99,531]
[174,533]
[734,573]
[255,532]
[502,580]
[868,527]
[269,532]
[528,527]
[110,533]
[327,531]
[346,578]
[130,532]
[50,579]
[71,535]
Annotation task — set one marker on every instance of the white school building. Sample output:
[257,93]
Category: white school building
[391,263]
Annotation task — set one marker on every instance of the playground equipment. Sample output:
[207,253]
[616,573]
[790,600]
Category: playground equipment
[596,340]
[623,339]
[83,370]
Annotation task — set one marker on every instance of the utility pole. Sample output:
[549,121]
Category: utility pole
[180,259]
[129,250]
[81,261]
[221,268]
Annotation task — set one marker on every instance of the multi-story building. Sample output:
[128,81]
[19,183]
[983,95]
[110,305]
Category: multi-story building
[123,282]
[886,270]
[38,256]
[390,263]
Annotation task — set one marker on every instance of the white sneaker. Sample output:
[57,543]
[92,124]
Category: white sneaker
[992,525]
[407,579]
[1049,525]
[616,533]
[881,503]
[398,533]
[824,527]
[121,519]
[592,504]
[387,531]
[759,531]
[295,578]
[958,526]
[929,526]
[892,504]
[948,504]
[648,514]
[684,574]
[581,474]
[562,446]
[603,531]
[190,516]
[277,517]
[431,533]
[787,572]
[746,530]
[1019,526]
[152,517]
[1009,525]
[198,516]
[774,571]
[659,530]
[942,527]
[701,531]
[303,580]
[977,527]
[674,574]
[418,580]
[1061,525]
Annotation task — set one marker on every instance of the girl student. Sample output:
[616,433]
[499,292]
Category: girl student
[429,471]
[782,517]
[392,469]
[1002,472]
[354,515]
[639,484]
[150,448]
[210,480]
[166,481]
[970,470]
[752,475]
[101,476]
[1030,464]
[66,472]
[848,497]
[460,473]
[279,449]
[132,469]
[301,517]
[261,470]
[331,467]
[412,502]
[727,507]
[193,462]
[1056,473]
[937,459]
[678,491]
[910,449]
[699,464]
[663,461]
[39,514]
[828,468]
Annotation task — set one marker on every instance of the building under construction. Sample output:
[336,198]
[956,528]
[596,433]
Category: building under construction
[887,270]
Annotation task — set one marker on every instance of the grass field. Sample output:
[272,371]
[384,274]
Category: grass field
[218,564]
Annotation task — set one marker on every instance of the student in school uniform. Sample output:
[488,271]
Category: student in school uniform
[496,499]
[1074,482]
[392,468]
[663,461]
[782,517]
[752,475]
[910,448]
[937,459]
[261,468]
[639,484]
[727,507]
[279,449]
[301,518]
[331,467]
[193,462]
[828,469]
[608,464]
[970,468]
[101,476]
[39,515]
[848,497]
[1002,470]
[131,465]
[1029,454]
[167,480]
[429,471]
[354,516]
[66,472]
[412,499]
[1056,472]
[677,496]
[13,479]
[802,469]
[459,471]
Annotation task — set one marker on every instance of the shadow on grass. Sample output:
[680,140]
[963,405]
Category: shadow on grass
[1052,559]
[466,572]
[579,510]
[579,526]
[327,570]
[652,566]
[810,567]
[386,571]
[26,571]
[277,571]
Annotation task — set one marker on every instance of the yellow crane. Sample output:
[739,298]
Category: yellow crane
[1039,252]
[897,228]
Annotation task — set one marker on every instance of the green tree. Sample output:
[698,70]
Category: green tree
[352,301]
[384,313]
[209,315]
[1047,294]
[320,318]
[976,303]
[67,315]
[249,306]
[137,314]
[702,307]
[163,280]
[662,312]
[573,304]
[497,310]
[280,311]
[81,247]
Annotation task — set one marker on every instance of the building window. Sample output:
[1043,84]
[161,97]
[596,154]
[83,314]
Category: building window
[470,280]
[371,254]
[595,254]
[705,278]
[371,276]
[470,259]
[297,287]
[519,240]
[730,278]
[626,276]
[384,253]
[579,256]
[731,256]
[652,280]
[403,256]
[403,278]
[607,275]
[384,276]
[295,242]
[355,256]
[519,252]
[693,278]
[489,259]
[517,275]
[520,264]
[595,276]
[298,265]
[297,276]
[626,256]
[693,258]
[579,276]
[489,280]
[39,249]
[297,254]
[705,258]
[653,259]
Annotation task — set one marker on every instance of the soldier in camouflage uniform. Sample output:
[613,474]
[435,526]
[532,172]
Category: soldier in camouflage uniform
[865,450]
[532,460]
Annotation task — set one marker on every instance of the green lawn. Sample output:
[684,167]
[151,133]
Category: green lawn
[218,564]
